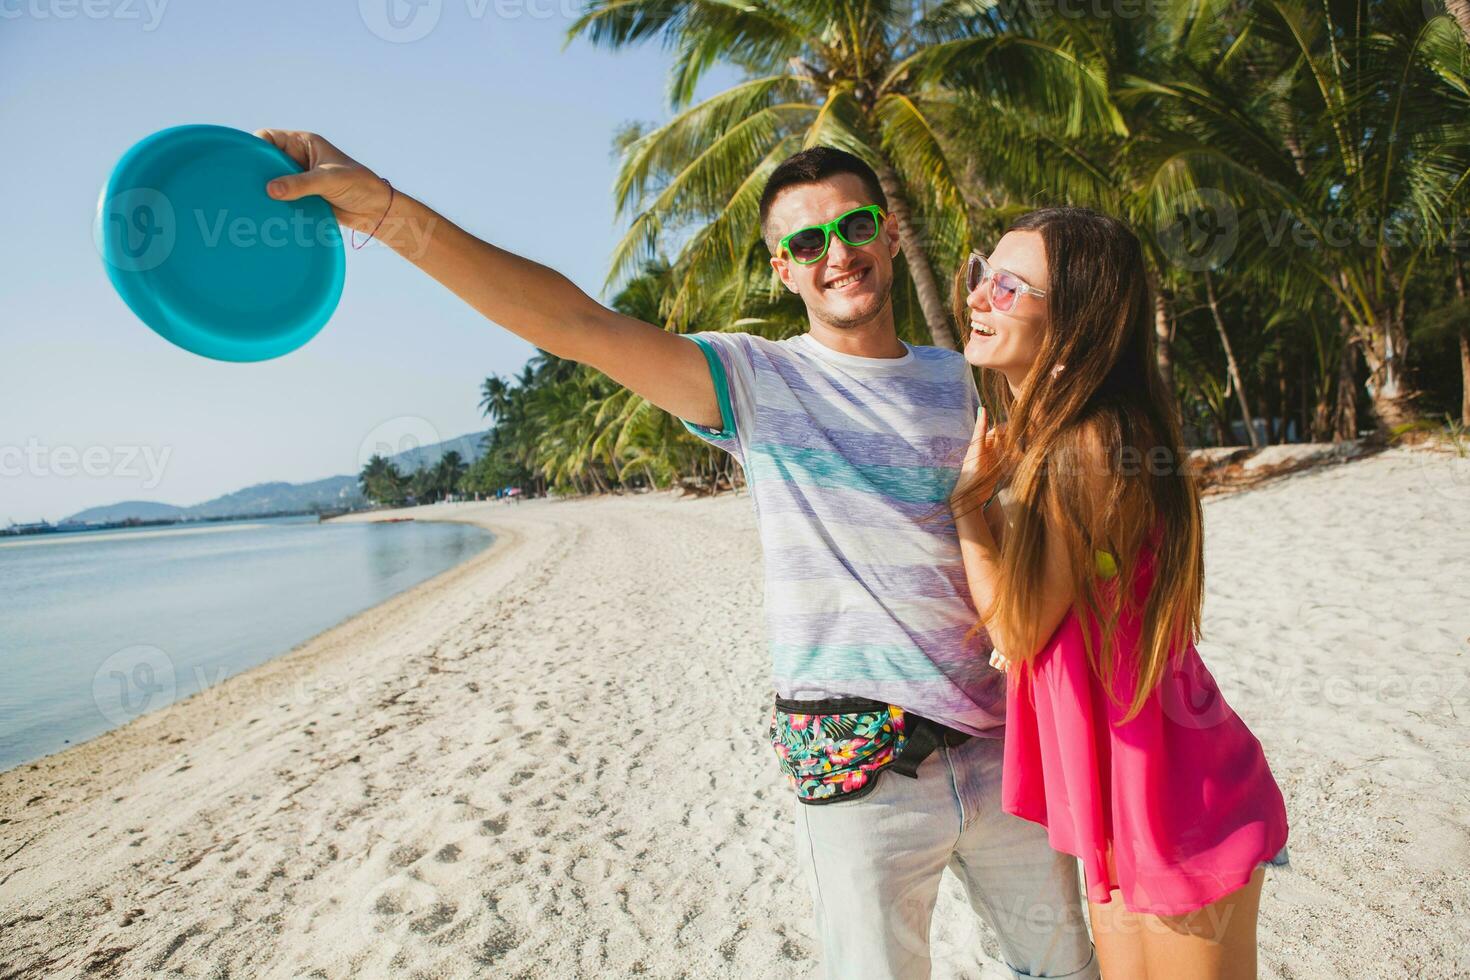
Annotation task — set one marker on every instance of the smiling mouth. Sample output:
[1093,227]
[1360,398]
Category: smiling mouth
[849,280]
[980,328]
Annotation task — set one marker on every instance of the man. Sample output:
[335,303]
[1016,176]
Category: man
[852,442]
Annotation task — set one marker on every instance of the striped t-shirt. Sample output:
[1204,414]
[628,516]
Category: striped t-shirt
[850,462]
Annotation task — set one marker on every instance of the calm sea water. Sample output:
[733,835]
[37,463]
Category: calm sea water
[99,627]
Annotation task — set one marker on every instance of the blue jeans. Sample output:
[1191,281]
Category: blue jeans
[874,866]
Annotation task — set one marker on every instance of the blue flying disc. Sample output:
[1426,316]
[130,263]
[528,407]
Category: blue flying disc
[198,251]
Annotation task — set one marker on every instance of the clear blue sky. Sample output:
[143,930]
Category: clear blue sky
[485,117]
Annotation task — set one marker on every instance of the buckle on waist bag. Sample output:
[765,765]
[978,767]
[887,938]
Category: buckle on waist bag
[923,738]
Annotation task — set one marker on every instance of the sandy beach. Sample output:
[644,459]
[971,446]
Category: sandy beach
[550,761]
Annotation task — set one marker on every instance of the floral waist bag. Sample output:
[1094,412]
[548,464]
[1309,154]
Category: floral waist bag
[835,749]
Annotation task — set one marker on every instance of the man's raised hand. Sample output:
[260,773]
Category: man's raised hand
[358,196]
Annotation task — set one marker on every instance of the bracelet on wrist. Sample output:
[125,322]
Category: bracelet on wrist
[369,238]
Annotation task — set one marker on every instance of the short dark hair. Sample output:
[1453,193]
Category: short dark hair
[812,166]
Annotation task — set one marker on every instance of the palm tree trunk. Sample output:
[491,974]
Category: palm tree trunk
[1165,351]
[1268,403]
[1346,421]
[1283,401]
[1465,374]
[1322,416]
[1385,351]
[1465,319]
[1304,409]
[1460,10]
[1164,348]
[1245,411]
[931,299]
[1321,388]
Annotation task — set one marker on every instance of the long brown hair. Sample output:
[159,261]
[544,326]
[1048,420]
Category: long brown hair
[1092,451]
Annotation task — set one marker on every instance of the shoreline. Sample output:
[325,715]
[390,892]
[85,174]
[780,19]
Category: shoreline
[243,675]
[472,775]
[311,654]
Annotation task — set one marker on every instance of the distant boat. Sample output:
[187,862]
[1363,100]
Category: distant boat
[39,527]
[391,520]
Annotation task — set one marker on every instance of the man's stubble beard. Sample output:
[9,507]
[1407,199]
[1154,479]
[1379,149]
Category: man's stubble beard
[849,322]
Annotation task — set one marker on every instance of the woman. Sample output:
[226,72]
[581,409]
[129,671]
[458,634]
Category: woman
[1117,739]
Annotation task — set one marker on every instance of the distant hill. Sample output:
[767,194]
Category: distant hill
[273,498]
[143,510]
[413,460]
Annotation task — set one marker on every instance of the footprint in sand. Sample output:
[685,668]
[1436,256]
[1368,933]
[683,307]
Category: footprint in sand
[388,911]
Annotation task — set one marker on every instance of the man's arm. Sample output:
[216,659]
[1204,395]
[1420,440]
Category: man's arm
[533,302]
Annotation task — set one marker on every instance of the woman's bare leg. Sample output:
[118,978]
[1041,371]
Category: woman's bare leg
[1117,938]
[1217,942]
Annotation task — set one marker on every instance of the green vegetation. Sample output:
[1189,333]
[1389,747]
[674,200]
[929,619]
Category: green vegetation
[566,427]
[383,483]
[1298,170]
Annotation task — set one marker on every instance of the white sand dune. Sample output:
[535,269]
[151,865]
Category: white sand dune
[550,761]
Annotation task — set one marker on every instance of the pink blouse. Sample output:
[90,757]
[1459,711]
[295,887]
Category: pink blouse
[1180,797]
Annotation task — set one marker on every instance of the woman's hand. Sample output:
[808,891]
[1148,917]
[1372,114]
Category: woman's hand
[981,454]
[358,197]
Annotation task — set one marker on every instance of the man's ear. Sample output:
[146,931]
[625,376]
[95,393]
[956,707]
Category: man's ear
[783,272]
[890,228]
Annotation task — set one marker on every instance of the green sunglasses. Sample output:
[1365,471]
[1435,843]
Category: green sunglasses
[856,227]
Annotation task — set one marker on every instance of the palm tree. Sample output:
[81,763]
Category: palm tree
[381,481]
[422,484]
[1377,127]
[1357,135]
[1294,116]
[448,472]
[373,469]
[867,76]
[495,398]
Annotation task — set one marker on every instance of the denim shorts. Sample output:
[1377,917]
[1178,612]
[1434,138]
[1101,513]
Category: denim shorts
[1281,860]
